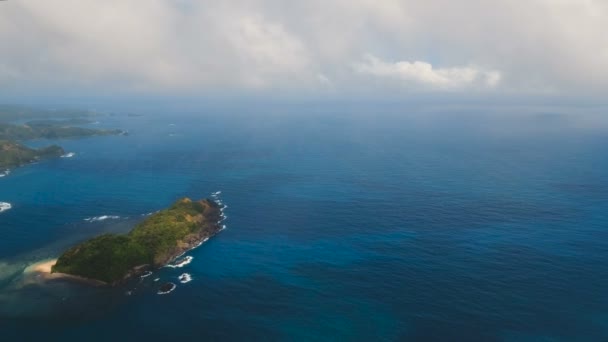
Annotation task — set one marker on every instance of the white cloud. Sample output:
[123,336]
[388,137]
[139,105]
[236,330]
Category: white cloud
[423,73]
[266,48]
[323,79]
[316,45]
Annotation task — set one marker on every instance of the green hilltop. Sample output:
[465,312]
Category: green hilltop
[49,130]
[13,154]
[46,126]
[154,243]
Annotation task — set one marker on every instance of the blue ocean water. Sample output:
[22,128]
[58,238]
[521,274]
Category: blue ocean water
[343,224]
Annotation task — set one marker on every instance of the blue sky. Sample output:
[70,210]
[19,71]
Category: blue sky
[315,48]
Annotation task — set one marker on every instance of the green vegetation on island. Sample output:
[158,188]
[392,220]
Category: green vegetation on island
[49,131]
[152,244]
[13,154]
[49,124]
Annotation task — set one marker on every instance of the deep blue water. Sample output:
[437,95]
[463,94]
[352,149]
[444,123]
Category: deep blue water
[343,224]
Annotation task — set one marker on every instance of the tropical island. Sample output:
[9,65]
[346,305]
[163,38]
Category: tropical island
[113,259]
[47,125]
[13,154]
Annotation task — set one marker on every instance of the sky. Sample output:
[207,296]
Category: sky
[341,48]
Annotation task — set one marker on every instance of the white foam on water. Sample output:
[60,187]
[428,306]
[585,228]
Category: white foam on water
[181,263]
[185,278]
[198,245]
[4,206]
[101,218]
[168,291]
[5,173]
[68,155]
[146,275]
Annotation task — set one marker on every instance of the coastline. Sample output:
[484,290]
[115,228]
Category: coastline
[189,243]
[43,270]
[210,225]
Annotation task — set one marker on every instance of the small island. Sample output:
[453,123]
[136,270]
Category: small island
[161,238]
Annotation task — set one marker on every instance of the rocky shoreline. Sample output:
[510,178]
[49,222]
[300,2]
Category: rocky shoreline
[192,242]
[160,239]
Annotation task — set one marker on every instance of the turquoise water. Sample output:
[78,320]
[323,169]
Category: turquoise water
[342,225]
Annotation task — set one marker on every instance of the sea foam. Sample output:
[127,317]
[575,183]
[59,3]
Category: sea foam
[197,245]
[101,218]
[4,206]
[146,275]
[181,262]
[171,289]
[185,278]
[150,213]
[68,155]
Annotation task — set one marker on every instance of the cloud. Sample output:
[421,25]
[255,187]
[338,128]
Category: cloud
[147,46]
[266,48]
[423,73]
[315,46]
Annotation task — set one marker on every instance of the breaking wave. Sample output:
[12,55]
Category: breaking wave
[101,218]
[185,278]
[4,206]
[179,263]
[146,275]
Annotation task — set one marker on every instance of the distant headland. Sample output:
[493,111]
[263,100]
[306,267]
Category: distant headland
[44,124]
[13,154]
[112,259]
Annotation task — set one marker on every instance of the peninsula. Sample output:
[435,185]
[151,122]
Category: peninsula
[12,151]
[154,243]
[50,130]
[13,154]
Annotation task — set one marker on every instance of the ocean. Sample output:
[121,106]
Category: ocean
[343,224]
